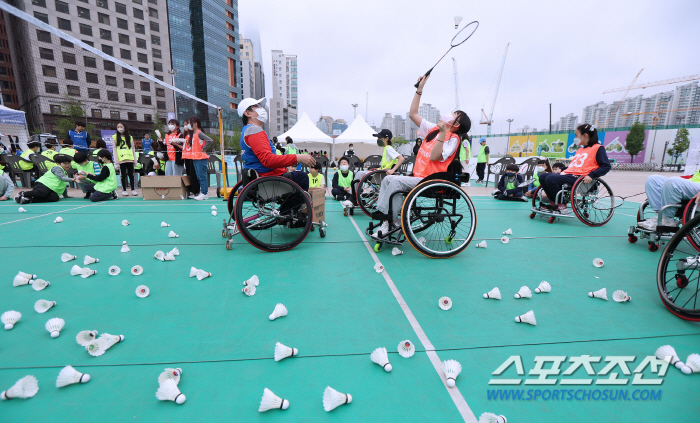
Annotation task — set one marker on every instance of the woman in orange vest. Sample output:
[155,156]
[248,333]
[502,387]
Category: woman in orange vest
[590,161]
[174,165]
[187,157]
[200,143]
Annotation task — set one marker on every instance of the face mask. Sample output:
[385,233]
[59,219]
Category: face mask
[188,127]
[121,130]
[510,175]
[447,118]
[344,168]
[577,141]
[262,114]
[380,142]
[159,155]
[540,169]
[351,149]
[171,127]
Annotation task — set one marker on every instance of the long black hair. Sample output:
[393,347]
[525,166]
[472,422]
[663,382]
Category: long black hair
[591,131]
[465,124]
[127,137]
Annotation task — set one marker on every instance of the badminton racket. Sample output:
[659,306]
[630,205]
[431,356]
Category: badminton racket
[463,35]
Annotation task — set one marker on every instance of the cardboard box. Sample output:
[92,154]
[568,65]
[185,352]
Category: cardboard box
[318,203]
[163,188]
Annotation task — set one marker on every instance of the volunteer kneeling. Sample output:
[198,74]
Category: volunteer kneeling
[51,185]
[105,184]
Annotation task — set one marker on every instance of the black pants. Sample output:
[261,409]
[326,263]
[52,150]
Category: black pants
[127,170]
[194,182]
[40,193]
[96,196]
[339,192]
[551,183]
[480,167]
[516,197]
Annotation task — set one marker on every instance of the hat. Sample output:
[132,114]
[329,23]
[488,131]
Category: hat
[32,144]
[384,133]
[247,102]
[482,139]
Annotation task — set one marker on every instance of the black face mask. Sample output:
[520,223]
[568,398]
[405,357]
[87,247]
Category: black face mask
[510,175]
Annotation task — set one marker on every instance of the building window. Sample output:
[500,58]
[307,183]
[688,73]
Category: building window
[158,77]
[114,114]
[72,74]
[55,108]
[138,1]
[139,29]
[123,39]
[86,29]
[91,78]
[130,98]
[73,90]
[108,49]
[160,92]
[111,80]
[146,100]
[51,87]
[64,24]
[90,62]
[140,43]
[153,13]
[160,105]
[103,4]
[90,43]
[278,120]
[138,13]
[157,54]
[145,86]
[68,58]
[144,70]
[105,34]
[153,1]
[232,51]
[157,66]
[103,18]
[120,8]
[94,93]
[147,118]
[129,83]
[125,54]
[131,116]
[142,57]
[46,53]
[155,40]
[65,43]
[112,96]
[155,27]
[39,3]
[122,23]
[109,66]
[96,113]
[83,12]
[43,36]
[126,71]
[42,17]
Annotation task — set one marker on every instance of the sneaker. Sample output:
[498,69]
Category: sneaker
[649,224]
[114,195]
[125,194]
[18,198]
[134,193]
[24,200]
[466,184]
[206,197]
[191,196]
[347,204]
[384,229]
[199,197]
[87,196]
[563,209]
[665,221]
[494,192]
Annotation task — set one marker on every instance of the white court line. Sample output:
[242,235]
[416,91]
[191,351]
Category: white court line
[457,397]
[48,214]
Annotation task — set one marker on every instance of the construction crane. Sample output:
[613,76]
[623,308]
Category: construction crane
[488,120]
[656,83]
[659,111]
[623,98]
[454,66]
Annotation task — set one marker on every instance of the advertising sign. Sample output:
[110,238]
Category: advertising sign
[552,145]
[615,147]
[106,135]
[522,145]
[571,147]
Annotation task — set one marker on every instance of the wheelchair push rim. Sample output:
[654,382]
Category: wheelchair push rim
[583,198]
[367,201]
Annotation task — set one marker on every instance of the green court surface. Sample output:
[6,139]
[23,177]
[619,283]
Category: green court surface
[340,310]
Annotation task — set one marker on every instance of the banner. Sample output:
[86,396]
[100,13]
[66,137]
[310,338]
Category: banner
[615,147]
[522,145]
[692,163]
[552,145]
[106,135]
[571,147]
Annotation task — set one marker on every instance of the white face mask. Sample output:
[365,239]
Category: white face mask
[188,127]
[577,141]
[447,119]
[540,169]
[344,168]
[262,114]
[121,130]
[171,127]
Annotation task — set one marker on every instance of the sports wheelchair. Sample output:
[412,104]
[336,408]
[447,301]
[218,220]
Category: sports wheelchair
[592,203]
[685,212]
[272,213]
[438,218]
[367,191]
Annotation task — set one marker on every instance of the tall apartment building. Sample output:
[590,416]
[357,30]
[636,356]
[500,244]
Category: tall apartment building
[325,124]
[284,77]
[247,67]
[259,80]
[48,68]
[566,123]
[395,124]
[8,86]
[685,97]
[429,113]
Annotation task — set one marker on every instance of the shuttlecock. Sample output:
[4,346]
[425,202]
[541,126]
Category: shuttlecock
[396,252]
[193,272]
[505,240]
[25,388]
[597,262]
[54,326]
[157,131]
[528,317]
[172,234]
[26,275]
[482,244]
[249,290]
[452,369]
[213,212]
[76,270]
[668,353]
[164,225]
[445,303]
[22,210]
[201,274]
[40,284]
[170,374]
[601,293]
[69,376]
[142,291]
[524,292]
[159,255]
[271,401]
[169,257]
[21,280]
[9,318]
[136,270]
[98,347]
[42,306]
[494,293]
[543,287]
[89,260]
[114,270]
[692,364]
[86,273]
[492,418]
[168,391]
[213,207]
[279,311]
[458,19]
[378,268]
[508,232]
[125,248]
[254,281]
[65,257]
[174,252]
[282,352]
[85,337]
[125,223]
[406,349]
[621,296]
[333,399]
[380,357]
[422,241]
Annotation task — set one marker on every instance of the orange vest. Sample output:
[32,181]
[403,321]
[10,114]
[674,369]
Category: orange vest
[171,150]
[584,161]
[187,149]
[197,153]
[424,166]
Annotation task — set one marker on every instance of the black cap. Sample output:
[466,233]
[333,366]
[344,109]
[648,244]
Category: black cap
[384,133]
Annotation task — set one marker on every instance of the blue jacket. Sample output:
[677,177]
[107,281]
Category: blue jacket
[515,191]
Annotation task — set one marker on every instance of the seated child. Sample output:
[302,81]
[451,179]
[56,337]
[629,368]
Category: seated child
[342,182]
[508,185]
[50,151]
[32,148]
[558,167]
[51,185]
[67,147]
[7,187]
[105,184]
[316,179]
[541,167]
[84,166]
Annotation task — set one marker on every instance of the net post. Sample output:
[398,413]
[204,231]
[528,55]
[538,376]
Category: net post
[223,157]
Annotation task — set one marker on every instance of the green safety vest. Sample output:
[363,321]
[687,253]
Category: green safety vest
[161,161]
[279,153]
[510,185]
[109,184]
[87,167]
[385,164]
[345,181]
[536,179]
[482,154]
[25,155]
[290,150]
[696,177]
[68,150]
[49,154]
[51,181]
[123,152]
[465,152]
[315,182]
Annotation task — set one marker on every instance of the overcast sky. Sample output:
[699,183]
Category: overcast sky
[564,52]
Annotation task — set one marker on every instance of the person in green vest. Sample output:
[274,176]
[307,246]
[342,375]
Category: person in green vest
[509,186]
[292,149]
[51,185]
[67,147]
[126,158]
[482,160]
[342,183]
[465,153]
[391,159]
[541,167]
[7,187]
[99,145]
[315,177]
[158,156]
[105,184]
[32,148]
[50,151]
[84,166]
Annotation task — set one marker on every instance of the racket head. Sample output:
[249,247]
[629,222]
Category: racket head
[465,33]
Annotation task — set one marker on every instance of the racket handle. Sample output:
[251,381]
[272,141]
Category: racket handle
[421,78]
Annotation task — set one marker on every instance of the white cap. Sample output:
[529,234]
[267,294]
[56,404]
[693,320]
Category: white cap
[247,102]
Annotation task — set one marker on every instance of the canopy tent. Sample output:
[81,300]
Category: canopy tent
[13,122]
[361,135]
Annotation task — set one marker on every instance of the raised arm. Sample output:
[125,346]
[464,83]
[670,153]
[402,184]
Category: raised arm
[415,104]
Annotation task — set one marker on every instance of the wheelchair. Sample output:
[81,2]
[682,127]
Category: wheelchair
[592,203]
[367,191]
[438,218]
[685,212]
[272,213]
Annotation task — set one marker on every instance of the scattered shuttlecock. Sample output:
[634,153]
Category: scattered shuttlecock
[59,219]
[98,347]
[26,275]
[213,207]
[254,281]
[168,391]
[164,225]
[65,257]
[378,268]
[482,244]
[396,252]
[42,306]
[528,317]
[492,418]
[89,260]
[25,388]
[422,241]
[249,290]
[125,248]
[169,257]
[85,337]
[159,255]
[279,311]
[508,231]
[172,234]
[379,356]
[136,270]
[692,364]
[174,252]
[543,287]
[271,401]
[283,351]
[22,210]
[202,274]
[170,374]
[86,273]
[524,292]
[125,223]
[494,293]
[69,376]
[406,349]
[114,270]
[213,212]
[452,369]
[445,303]
[21,280]
[142,291]
[76,270]
[597,262]
[54,326]
[333,399]
[505,240]
[40,284]
[668,353]
[621,296]
[9,318]
[601,293]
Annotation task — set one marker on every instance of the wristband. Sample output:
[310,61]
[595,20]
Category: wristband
[419,93]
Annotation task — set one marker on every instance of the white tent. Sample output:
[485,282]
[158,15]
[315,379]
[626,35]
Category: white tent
[307,136]
[13,122]
[361,135]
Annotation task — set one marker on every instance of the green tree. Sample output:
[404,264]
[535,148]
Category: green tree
[634,143]
[397,141]
[680,144]
[72,111]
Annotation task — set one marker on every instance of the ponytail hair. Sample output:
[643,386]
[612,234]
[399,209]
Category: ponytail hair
[465,124]
[591,131]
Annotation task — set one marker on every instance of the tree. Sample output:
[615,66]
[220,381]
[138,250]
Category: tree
[72,111]
[634,143]
[397,141]
[680,144]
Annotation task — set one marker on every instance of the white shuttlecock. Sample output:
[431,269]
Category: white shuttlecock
[85,337]
[159,255]
[69,376]
[621,296]
[164,225]
[87,273]
[172,234]
[213,212]
[125,248]
[76,270]
[170,374]
[543,287]
[524,292]
[378,268]
[422,241]
[452,369]
[136,270]
[253,281]
[528,317]
[202,274]
[406,349]
[42,306]
[21,280]
[692,364]
[213,207]
[597,262]
[482,244]
[169,257]
[508,231]
[26,275]
[283,351]
[494,293]
[396,252]
[9,318]
[601,293]
[59,219]
[492,418]
[114,270]
[25,388]
[505,240]
[668,353]
[193,272]
[89,260]
[40,284]
[279,311]
[21,210]
[125,223]
[142,291]
[333,399]
[54,326]
[168,391]
[98,347]
[174,252]
[271,401]
[65,257]
[379,356]
[445,303]
[249,290]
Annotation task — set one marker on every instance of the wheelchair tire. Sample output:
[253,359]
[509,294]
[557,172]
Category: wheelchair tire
[273,228]
[582,202]
[689,213]
[230,201]
[453,207]
[371,183]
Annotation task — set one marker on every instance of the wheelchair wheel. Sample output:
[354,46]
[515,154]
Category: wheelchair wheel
[368,190]
[438,219]
[645,212]
[273,213]
[230,201]
[678,273]
[689,212]
[586,201]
